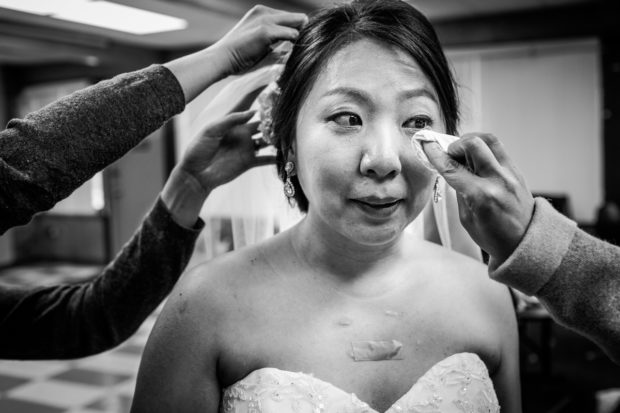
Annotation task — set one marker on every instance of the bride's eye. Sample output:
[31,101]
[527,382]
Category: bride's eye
[346,120]
[418,122]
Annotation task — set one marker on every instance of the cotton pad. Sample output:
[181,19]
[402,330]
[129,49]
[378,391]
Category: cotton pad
[427,135]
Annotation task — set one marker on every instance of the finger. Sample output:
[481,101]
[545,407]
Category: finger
[246,102]
[241,137]
[223,125]
[278,33]
[477,154]
[288,19]
[444,164]
[260,144]
[495,145]
[501,155]
[252,127]
[455,173]
[248,130]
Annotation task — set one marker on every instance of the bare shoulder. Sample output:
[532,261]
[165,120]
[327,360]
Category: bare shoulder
[206,311]
[464,287]
[457,272]
[459,288]
[214,282]
[219,291]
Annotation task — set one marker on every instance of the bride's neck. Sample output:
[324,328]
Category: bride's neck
[325,250]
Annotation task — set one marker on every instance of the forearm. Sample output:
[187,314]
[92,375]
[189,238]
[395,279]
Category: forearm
[584,293]
[575,276]
[539,254]
[50,152]
[78,320]
[197,71]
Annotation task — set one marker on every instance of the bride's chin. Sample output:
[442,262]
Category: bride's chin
[376,237]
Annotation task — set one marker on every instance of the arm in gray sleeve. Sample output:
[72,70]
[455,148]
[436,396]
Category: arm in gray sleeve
[70,321]
[574,275]
[49,153]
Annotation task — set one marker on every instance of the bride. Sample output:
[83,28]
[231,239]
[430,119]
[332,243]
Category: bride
[344,312]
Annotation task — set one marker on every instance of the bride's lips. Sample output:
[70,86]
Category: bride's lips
[378,206]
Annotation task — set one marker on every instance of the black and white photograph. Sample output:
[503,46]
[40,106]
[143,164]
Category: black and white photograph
[309,206]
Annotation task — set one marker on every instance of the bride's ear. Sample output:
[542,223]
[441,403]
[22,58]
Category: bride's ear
[290,157]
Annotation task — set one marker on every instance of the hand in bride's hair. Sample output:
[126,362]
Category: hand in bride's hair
[223,151]
[254,36]
[254,42]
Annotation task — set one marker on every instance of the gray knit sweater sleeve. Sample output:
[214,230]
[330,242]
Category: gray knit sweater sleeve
[574,275]
[49,153]
[42,159]
[78,320]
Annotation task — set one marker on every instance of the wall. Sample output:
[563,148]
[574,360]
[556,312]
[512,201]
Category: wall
[543,100]
[105,60]
[131,185]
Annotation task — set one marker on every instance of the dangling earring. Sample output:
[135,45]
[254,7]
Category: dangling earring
[289,189]
[436,191]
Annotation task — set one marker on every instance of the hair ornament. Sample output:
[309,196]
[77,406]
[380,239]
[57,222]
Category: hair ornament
[266,102]
[269,95]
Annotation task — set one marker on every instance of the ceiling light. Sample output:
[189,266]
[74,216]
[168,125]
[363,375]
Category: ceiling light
[100,13]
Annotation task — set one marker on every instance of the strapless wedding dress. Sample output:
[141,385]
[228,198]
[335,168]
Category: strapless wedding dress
[459,383]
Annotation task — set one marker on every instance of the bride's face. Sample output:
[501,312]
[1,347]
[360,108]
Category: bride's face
[353,154]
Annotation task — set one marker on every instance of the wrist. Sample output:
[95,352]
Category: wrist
[199,70]
[222,61]
[183,196]
[511,236]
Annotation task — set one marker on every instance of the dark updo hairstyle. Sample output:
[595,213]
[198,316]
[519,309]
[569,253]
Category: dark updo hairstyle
[393,22]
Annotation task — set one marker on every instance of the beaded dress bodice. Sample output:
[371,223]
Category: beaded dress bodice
[459,383]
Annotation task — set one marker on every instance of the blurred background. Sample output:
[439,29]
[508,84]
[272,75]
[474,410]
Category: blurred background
[542,75]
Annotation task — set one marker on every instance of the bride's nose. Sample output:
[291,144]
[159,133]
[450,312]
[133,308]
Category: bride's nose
[381,154]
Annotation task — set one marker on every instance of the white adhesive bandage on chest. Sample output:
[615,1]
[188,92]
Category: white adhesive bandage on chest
[427,135]
[376,350]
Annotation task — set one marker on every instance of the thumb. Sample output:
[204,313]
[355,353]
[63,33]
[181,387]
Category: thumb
[455,173]
[440,160]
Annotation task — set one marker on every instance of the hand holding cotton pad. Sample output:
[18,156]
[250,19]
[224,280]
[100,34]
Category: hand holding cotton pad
[427,135]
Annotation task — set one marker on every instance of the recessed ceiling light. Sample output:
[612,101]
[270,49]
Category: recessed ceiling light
[100,13]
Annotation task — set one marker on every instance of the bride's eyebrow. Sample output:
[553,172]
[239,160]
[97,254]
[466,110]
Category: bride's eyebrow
[363,97]
[416,93]
[354,94]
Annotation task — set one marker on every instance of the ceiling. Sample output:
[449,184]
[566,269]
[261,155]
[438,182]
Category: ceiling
[30,39]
